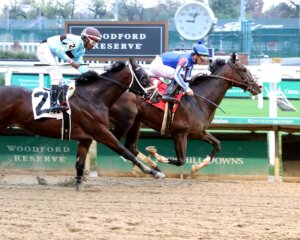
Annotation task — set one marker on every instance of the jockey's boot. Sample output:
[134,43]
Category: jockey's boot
[169,95]
[54,106]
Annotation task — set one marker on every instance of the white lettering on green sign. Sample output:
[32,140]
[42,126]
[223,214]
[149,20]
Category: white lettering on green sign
[34,158]
[219,161]
[37,149]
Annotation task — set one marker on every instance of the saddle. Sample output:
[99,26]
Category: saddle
[168,108]
[161,88]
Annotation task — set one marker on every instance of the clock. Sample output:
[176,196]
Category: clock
[194,20]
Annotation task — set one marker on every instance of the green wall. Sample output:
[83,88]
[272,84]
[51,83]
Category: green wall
[29,152]
[237,157]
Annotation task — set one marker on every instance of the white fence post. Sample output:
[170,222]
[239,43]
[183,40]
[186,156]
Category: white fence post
[271,72]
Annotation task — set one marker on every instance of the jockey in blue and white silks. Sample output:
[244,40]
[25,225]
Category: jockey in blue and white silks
[70,48]
[178,66]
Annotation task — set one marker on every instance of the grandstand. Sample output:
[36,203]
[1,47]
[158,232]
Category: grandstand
[272,37]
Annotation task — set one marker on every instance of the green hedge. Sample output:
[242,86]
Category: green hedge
[2,79]
[16,55]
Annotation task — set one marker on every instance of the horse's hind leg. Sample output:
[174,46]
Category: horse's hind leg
[82,150]
[180,143]
[216,148]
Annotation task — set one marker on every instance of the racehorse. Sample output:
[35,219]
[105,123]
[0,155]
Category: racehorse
[89,105]
[193,116]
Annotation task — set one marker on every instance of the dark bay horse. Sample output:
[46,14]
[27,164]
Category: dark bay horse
[193,116]
[90,104]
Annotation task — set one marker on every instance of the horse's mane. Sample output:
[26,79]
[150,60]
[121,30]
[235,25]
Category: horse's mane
[213,67]
[91,76]
[116,67]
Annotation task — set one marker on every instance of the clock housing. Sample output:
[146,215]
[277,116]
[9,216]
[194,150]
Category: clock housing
[194,20]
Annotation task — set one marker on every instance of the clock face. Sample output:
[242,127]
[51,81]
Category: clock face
[194,21]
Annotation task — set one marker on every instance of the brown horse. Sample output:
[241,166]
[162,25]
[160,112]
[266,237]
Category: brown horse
[193,116]
[90,104]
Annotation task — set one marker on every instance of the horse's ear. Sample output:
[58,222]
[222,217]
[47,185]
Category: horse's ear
[233,57]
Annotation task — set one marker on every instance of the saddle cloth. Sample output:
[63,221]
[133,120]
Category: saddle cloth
[161,88]
[40,99]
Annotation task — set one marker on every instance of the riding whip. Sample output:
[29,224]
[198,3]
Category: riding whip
[61,64]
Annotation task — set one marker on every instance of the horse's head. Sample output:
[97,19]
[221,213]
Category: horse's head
[140,78]
[238,74]
[248,82]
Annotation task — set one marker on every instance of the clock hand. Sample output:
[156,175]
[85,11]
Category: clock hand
[192,21]
[196,14]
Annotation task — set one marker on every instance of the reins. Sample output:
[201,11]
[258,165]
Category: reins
[121,85]
[211,102]
[226,79]
[143,93]
[230,79]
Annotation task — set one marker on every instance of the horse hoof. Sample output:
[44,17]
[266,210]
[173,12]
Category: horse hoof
[137,172]
[194,169]
[151,149]
[159,175]
[79,187]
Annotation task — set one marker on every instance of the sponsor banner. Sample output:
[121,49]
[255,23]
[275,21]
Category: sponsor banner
[237,157]
[32,81]
[289,87]
[28,152]
[122,40]
[256,120]
[29,81]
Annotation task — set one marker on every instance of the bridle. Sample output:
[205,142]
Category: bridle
[144,93]
[245,80]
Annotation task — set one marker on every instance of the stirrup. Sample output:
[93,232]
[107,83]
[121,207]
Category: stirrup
[167,98]
[58,108]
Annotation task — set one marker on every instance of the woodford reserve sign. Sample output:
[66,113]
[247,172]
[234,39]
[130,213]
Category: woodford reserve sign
[122,40]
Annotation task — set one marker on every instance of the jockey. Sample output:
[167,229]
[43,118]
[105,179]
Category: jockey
[70,48]
[177,67]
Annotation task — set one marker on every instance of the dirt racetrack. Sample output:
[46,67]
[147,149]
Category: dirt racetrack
[130,208]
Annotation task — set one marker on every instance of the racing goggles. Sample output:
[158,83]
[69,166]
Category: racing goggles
[93,40]
[203,58]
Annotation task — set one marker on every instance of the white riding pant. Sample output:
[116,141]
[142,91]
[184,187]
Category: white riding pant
[45,56]
[158,69]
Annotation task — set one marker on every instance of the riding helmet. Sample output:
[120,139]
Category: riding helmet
[91,33]
[201,50]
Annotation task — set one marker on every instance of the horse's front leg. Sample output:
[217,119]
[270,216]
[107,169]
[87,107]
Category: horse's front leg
[216,148]
[108,139]
[82,150]
[131,142]
[180,143]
